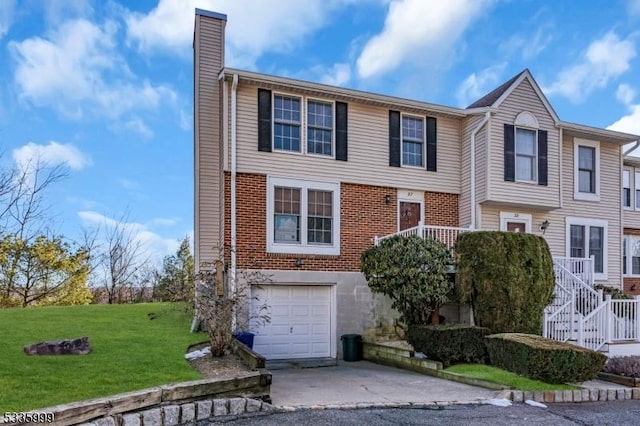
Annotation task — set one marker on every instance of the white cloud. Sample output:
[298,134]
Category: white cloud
[57,11]
[634,7]
[338,75]
[604,60]
[477,85]
[629,123]
[418,31]
[7,8]
[138,125]
[128,183]
[186,119]
[78,71]
[276,25]
[52,154]
[152,245]
[528,46]
[625,94]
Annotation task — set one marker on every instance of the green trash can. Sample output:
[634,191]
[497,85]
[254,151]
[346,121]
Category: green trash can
[351,347]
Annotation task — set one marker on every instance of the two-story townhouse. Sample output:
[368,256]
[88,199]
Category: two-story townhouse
[296,179]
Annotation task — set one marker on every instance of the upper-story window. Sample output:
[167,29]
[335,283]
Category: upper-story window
[301,124]
[525,150]
[626,188]
[286,123]
[586,170]
[319,127]
[412,141]
[526,155]
[637,189]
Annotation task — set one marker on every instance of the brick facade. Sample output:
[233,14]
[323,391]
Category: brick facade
[363,215]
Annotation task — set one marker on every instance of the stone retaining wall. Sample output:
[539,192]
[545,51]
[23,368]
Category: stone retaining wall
[172,415]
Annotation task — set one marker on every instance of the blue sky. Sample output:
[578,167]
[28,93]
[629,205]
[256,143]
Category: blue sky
[106,86]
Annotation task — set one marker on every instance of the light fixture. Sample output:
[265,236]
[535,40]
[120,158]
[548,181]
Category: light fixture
[387,198]
[299,262]
[544,225]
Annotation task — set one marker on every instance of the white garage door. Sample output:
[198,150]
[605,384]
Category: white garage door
[300,324]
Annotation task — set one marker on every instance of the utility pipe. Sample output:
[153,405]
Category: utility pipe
[232,268]
[485,120]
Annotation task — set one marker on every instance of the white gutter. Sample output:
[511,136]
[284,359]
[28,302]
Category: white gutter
[487,115]
[232,268]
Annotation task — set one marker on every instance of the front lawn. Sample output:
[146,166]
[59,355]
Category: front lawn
[503,377]
[130,351]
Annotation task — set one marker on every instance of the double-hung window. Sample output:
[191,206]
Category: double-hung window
[412,141]
[637,189]
[319,127]
[526,155]
[587,170]
[287,115]
[631,255]
[303,217]
[588,238]
[626,189]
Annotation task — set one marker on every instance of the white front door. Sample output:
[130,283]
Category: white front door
[300,324]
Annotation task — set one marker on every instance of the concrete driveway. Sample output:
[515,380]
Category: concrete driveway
[352,383]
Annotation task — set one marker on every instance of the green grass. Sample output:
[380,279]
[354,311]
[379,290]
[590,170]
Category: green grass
[130,352]
[503,377]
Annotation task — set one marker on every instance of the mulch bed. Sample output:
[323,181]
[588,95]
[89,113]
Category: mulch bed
[226,366]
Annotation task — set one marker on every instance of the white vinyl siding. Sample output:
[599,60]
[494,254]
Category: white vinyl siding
[523,98]
[209,189]
[368,136]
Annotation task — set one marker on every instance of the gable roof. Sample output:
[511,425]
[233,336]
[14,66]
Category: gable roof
[490,98]
[494,98]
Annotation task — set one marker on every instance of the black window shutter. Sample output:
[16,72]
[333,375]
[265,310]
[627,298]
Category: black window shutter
[342,151]
[394,138]
[509,153]
[432,144]
[264,120]
[542,157]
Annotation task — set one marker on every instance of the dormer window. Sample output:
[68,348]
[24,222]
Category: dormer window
[526,155]
[525,151]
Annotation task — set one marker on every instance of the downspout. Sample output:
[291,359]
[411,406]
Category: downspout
[232,268]
[473,167]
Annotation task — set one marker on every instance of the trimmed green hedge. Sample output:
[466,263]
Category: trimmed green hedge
[543,359]
[451,343]
[507,277]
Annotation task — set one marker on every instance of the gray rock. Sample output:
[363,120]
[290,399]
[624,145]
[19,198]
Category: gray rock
[220,407]
[79,346]
[152,417]
[253,405]
[105,421]
[188,413]
[171,415]
[203,409]
[131,420]
[237,406]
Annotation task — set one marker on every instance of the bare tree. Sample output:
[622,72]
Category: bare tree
[120,259]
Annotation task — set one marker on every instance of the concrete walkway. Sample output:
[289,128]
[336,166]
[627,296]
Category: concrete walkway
[362,382]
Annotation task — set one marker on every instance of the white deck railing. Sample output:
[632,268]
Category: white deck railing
[444,234]
[583,268]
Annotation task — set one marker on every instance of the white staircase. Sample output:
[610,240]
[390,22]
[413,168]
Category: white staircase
[582,315]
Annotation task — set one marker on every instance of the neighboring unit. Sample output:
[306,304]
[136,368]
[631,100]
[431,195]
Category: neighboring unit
[296,179]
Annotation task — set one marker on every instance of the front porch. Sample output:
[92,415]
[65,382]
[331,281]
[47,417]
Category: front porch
[579,313]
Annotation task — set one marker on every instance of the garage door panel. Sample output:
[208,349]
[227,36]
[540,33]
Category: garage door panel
[300,322]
